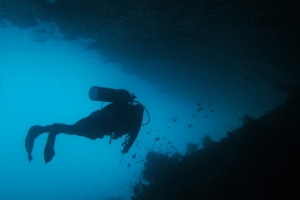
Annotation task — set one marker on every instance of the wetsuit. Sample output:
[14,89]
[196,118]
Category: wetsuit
[115,119]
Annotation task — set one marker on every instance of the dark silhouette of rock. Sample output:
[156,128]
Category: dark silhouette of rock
[259,160]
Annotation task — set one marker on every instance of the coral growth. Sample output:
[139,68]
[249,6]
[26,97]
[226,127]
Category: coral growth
[206,141]
[191,148]
[257,161]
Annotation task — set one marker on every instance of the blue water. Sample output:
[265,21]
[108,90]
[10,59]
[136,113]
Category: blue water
[45,79]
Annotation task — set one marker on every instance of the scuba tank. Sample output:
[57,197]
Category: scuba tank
[109,95]
[113,95]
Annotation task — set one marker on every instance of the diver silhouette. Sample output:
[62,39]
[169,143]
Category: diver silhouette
[115,120]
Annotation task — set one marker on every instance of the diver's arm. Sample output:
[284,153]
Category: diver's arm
[137,116]
[133,136]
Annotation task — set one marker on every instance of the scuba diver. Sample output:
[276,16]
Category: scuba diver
[114,120]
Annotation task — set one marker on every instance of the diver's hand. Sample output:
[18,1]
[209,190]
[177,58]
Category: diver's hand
[30,157]
[126,149]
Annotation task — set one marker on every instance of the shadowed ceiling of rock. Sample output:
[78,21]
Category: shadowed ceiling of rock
[187,34]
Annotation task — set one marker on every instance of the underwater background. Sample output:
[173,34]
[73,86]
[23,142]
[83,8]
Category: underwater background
[201,68]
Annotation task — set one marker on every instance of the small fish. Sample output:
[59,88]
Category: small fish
[194,115]
[240,118]
[169,127]
[246,78]
[212,110]
[128,166]
[175,120]
[199,109]
[190,125]
[217,102]
[163,137]
[198,104]
[148,132]
[205,116]
[157,130]
[134,156]
[156,139]
[169,142]
[210,104]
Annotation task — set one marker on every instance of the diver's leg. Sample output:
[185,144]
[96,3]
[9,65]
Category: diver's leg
[55,130]
[94,126]
[32,134]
